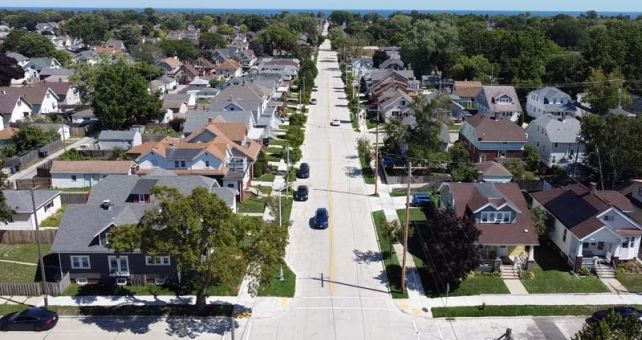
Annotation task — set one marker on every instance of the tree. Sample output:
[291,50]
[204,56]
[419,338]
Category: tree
[146,52]
[295,136]
[211,40]
[120,96]
[31,137]
[379,57]
[567,31]
[517,168]
[531,157]
[29,44]
[6,213]
[204,238]
[261,165]
[424,140]
[613,327]
[183,49]
[611,148]
[605,94]
[476,67]
[91,28]
[430,46]
[452,244]
[276,39]
[459,154]
[542,221]
[9,69]
[464,173]
[130,35]
[392,232]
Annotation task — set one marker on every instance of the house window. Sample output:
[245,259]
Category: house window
[600,246]
[74,178]
[495,217]
[230,185]
[157,260]
[585,245]
[555,145]
[625,244]
[80,262]
[564,236]
[176,164]
[118,265]
[49,206]
[207,164]
[182,164]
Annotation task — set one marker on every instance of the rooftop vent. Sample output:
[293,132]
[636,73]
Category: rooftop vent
[106,204]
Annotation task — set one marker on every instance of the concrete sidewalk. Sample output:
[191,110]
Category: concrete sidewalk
[538,299]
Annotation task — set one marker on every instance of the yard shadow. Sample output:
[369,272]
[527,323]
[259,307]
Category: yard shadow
[352,171]
[366,256]
[116,324]
[349,285]
[548,259]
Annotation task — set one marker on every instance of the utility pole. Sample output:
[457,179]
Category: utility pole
[619,98]
[43,279]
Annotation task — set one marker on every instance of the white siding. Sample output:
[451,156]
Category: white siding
[27,222]
[64,181]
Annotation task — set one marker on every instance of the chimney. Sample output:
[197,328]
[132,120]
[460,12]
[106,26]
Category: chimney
[210,120]
[496,116]
[106,204]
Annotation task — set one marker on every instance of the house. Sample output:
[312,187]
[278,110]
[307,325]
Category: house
[392,64]
[591,227]
[188,98]
[47,203]
[85,174]
[549,100]
[198,119]
[13,108]
[406,77]
[393,103]
[208,152]
[500,213]
[467,91]
[89,57]
[6,136]
[35,65]
[493,172]
[67,94]
[56,75]
[229,69]
[499,101]
[81,243]
[557,139]
[125,140]
[490,139]
[247,97]
[176,107]
[47,28]
[170,65]
[83,116]
[204,66]
[362,67]
[42,98]
[186,74]
[22,60]
[115,44]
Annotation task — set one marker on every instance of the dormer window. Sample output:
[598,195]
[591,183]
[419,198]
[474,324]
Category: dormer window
[495,217]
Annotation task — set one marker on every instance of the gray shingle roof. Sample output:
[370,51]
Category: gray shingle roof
[557,129]
[20,200]
[197,120]
[127,135]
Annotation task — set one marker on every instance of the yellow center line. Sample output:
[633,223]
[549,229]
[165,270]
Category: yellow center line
[330,224]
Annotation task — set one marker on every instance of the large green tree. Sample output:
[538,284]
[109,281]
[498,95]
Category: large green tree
[607,91]
[31,137]
[91,28]
[9,69]
[612,151]
[28,44]
[431,46]
[613,327]
[205,238]
[211,40]
[120,96]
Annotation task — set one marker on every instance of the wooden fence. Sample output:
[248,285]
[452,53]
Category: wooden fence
[29,183]
[27,236]
[74,197]
[35,288]
[33,155]
[149,137]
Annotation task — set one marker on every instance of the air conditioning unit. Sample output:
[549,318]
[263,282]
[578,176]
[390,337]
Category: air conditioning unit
[121,281]
[81,281]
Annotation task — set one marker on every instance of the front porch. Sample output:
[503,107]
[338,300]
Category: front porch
[594,254]
[519,256]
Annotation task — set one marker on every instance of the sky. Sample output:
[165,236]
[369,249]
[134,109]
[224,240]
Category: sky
[509,5]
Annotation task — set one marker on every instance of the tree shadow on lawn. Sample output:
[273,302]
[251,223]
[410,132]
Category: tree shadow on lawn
[548,259]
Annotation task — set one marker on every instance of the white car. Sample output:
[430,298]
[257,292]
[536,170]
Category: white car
[313,101]
[335,122]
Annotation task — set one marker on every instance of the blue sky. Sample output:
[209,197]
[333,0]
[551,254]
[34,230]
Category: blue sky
[541,5]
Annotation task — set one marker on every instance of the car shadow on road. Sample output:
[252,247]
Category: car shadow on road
[365,257]
[353,171]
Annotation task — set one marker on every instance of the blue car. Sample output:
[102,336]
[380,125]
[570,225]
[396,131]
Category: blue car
[420,200]
[321,218]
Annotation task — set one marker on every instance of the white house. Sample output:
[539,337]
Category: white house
[13,107]
[549,100]
[499,102]
[493,172]
[591,228]
[557,139]
[43,99]
[47,204]
[85,174]
[60,129]
[112,139]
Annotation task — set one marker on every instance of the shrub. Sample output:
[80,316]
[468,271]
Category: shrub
[526,275]
[584,272]
[298,119]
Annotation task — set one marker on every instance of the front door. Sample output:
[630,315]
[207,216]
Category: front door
[118,265]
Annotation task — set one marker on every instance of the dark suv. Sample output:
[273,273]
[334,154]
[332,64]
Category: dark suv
[304,170]
[301,193]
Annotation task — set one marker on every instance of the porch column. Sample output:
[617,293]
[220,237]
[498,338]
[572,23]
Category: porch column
[531,258]
[578,258]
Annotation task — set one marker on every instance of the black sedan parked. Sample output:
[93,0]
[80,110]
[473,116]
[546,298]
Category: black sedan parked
[301,193]
[304,170]
[30,319]
[623,311]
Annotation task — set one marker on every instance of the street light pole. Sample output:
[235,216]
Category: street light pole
[405,232]
[376,174]
[43,279]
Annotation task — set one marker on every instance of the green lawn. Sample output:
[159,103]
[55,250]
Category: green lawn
[371,124]
[366,170]
[475,285]
[275,154]
[12,272]
[283,288]
[252,205]
[403,193]
[53,221]
[441,312]
[265,190]
[416,215]
[97,289]
[632,282]
[22,252]
[552,275]
[276,141]
[265,178]
[287,209]
[390,261]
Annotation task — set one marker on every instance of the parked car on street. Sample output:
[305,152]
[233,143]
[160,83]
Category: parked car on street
[30,319]
[335,122]
[623,311]
[304,170]
[321,218]
[301,193]
[420,200]
[313,101]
